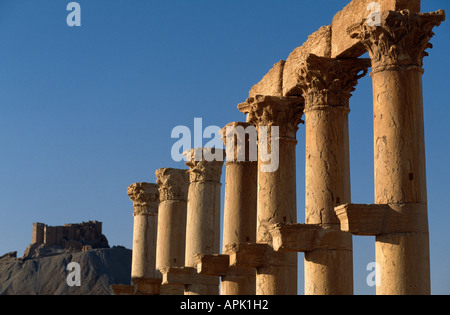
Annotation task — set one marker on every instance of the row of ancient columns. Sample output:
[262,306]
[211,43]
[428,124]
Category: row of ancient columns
[326,86]
[177,222]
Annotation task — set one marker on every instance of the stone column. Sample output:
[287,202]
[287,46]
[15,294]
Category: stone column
[397,47]
[239,224]
[203,211]
[145,198]
[171,241]
[277,201]
[326,84]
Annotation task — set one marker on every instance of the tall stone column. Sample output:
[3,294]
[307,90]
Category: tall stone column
[277,202]
[239,224]
[326,84]
[397,47]
[171,241]
[203,211]
[145,198]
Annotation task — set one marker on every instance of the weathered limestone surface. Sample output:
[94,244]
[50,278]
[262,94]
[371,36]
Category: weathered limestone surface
[188,276]
[144,276]
[171,241]
[328,41]
[261,237]
[240,185]
[319,44]
[308,238]
[271,83]
[356,11]
[277,201]
[173,189]
[282,79]
[397,48]
[326,85]
[203,212]
[145,198]
[213,265]
[240,206]
[378,219]
[247,254]
[240,203]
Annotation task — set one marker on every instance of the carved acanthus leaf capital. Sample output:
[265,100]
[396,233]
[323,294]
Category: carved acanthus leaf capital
[173,184]
[284,112]
[205,164]
[330,81]
[400,40]
[145,198]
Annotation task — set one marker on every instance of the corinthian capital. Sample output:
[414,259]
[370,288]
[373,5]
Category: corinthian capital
[284,112]
[145,198]
[173,184]
[400,40]
[205,164]
[330,81]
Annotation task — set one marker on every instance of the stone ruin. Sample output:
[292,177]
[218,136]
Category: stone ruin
[176,240]
[47,240]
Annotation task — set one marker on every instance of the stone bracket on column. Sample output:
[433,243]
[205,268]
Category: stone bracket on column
[247,255]
[177,275]
[139,286]
[186,276]
[212,265]
[122,289]
[376,219]
[242,256]
[147,286]
[307,237]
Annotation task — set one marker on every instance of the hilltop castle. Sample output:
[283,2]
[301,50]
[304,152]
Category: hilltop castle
[79,236]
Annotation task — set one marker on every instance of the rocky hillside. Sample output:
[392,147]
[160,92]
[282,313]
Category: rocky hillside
[47,274]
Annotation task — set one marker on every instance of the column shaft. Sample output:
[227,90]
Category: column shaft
[171,234]
[239,224]
[400,178]
[144,247]
[203,214]
[327,185]
[240,203]
[277,203]
[203,220]
[171,245]
[327,84]
[145,199]
[397,47]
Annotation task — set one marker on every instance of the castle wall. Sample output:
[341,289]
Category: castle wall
[60,235]
[38,233]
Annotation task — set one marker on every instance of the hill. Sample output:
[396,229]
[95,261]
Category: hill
[47,274]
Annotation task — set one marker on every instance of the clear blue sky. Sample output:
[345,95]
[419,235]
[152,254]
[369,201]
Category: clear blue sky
[87,111]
